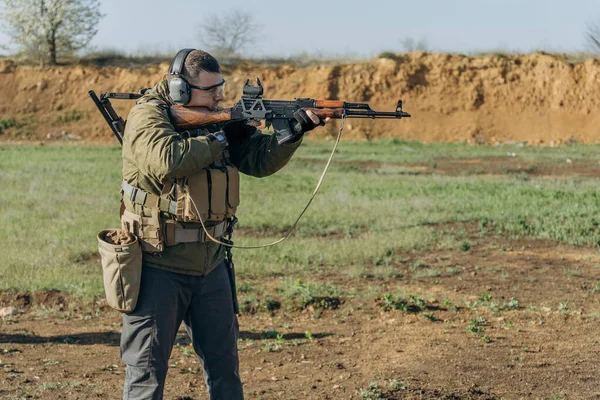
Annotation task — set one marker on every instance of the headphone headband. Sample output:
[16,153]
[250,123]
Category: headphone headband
[176,67]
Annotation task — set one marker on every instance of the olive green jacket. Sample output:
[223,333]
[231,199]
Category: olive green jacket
[154,154]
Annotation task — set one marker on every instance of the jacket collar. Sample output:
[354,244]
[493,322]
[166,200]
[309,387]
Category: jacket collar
[159,92]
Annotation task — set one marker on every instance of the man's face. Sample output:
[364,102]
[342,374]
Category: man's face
[207,98]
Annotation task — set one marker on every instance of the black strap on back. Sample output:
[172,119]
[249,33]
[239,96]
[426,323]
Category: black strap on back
[176,67]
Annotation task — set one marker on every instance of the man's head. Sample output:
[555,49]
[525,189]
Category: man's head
[201,74]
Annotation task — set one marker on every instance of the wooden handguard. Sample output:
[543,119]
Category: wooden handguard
[190,117]
[334,113]
[329,104]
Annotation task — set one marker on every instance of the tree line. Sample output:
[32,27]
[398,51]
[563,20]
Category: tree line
[45,31]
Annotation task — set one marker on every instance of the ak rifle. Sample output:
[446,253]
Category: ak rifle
[251,106]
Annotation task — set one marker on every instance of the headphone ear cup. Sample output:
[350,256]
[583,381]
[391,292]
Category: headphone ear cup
[180,91]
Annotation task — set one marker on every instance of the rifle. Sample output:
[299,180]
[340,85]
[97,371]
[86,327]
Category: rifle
[276,113]
[116,123]
[251,106]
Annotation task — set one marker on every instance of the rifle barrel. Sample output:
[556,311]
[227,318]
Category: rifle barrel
[337,113]
[377,114]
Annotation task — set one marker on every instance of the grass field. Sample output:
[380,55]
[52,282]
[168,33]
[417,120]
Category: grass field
[379,201]
[421,271]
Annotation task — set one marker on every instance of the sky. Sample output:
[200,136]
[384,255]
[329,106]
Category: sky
[353,28]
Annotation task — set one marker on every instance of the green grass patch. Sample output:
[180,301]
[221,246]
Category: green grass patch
[476,328]
[7,123]
[409,304]
[70,116]
[299,295]
[363,222]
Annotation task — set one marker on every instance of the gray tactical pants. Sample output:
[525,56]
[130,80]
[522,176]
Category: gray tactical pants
[204,305]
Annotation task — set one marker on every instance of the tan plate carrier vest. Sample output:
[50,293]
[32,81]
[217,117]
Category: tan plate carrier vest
[215,192]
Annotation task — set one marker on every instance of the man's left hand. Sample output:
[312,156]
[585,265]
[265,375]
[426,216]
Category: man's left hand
[306,121]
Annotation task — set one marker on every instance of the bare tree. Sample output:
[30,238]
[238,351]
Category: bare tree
[228,35]
[592,35]
[409,44]
[47,29]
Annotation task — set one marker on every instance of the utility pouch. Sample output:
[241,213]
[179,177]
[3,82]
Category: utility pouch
[147,230]
[121,268]
[215,193]
[233,191]
[218,193]
[197,198]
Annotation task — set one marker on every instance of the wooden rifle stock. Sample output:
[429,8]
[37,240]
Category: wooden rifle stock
[194,117]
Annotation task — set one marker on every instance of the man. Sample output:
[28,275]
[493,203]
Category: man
[170,178]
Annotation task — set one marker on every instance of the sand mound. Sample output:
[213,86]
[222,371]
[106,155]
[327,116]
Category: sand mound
[535,98]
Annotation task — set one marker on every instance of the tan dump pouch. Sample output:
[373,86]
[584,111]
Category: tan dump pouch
[215,193]
[148,230]
[122,271]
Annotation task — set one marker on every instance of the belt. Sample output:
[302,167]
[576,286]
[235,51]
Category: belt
[175,233]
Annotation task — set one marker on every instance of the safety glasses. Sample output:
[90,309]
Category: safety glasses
[211,91]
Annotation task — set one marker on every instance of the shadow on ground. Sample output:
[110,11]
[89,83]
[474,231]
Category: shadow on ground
[109,338]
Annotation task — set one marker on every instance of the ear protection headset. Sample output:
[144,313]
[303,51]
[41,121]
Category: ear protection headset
[179,87]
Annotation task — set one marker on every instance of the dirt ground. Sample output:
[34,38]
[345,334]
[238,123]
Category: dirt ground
[503,319]
[546,347]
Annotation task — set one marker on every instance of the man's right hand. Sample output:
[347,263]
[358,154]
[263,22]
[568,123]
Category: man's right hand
[236,130]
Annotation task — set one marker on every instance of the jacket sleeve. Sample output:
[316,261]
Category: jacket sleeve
[153,145]
[259,155]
